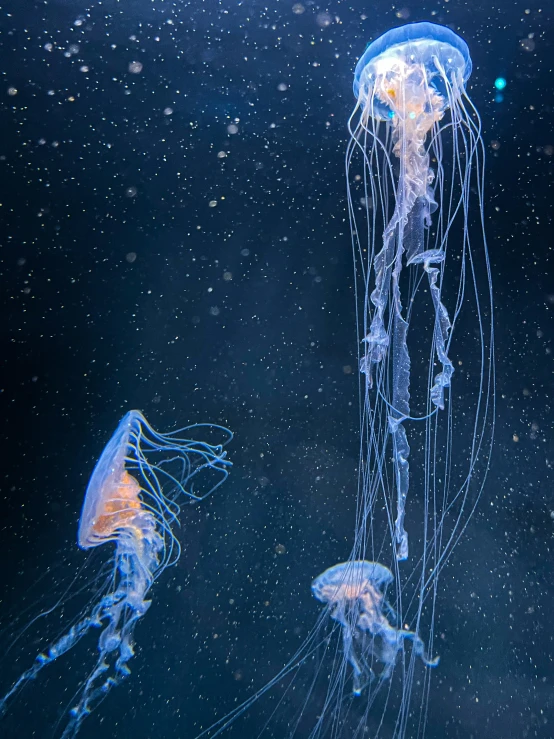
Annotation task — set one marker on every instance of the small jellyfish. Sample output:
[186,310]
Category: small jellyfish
[132,499]
[355,594]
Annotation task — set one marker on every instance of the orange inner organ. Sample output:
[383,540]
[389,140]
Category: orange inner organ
[118,509]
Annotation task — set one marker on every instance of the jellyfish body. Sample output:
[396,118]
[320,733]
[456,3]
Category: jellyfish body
[132,499]
[355,594]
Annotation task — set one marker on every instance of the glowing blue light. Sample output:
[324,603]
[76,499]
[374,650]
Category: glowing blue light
[500,83]
[498,98]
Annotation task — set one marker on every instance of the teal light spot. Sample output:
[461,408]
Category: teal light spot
[391,113]
[412,115]
[500,83]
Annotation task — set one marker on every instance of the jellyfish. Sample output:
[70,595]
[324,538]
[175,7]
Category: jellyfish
[355,593]
[132,499]
[418,138]
[423,289]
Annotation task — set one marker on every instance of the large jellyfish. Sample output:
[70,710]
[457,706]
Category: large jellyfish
[415,151]
[415,184]
[132,499]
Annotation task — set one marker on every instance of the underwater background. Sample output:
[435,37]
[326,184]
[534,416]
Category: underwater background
[174,238]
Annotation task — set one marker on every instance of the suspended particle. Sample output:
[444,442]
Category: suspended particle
[403,13]
[323,20]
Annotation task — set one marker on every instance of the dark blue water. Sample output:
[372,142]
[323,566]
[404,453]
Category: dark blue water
[175,239]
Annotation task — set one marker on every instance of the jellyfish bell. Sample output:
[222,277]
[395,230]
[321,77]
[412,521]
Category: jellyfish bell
[351,581]
[412,72]
[112,496]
